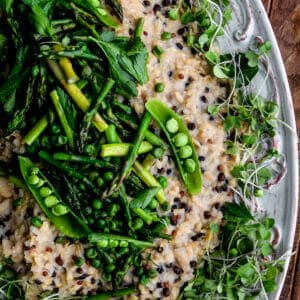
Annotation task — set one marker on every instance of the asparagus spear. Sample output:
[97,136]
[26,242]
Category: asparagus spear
[36,131]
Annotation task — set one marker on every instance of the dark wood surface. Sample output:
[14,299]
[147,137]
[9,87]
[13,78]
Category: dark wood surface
[285,19]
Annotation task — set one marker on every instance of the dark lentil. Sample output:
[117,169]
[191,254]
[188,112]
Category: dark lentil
[206,90]
[156,8]
[193,264]
[197,236]
[180,76]
[174,206]
[38,282]
[207,214]
[201,158]
[203,99]
[224,187]
[82,277]
[80,282]
[177,200]
[53,274]
[179,46]
[166,2]
[169,171]
[221,177]
[217,205]
[169,265]
[170,73]
[220,100]
[146,3]
[49,249]
[174,219]
[191,126]
[93,280]
[160,269]
[182,193]
[159,285]
[45,273]
[166,292]
[182,30]
[177,270]
[211,118]
[59,260]
[159,249]
[79,270]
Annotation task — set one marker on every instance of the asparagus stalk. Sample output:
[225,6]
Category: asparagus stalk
[122,149]
[132,156]
[149,180]
[83,159]
[145,216]
[111,134]
[68,69]
[76,94]
[68,170]
[92,111]
[63,119]
[148,161]
[36,131]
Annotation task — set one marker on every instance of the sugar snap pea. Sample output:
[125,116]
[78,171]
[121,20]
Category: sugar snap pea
[68,223]
[172,124]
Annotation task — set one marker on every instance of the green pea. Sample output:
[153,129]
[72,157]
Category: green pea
[158,51]
[258,193]
[34,171]
[144,280]
[152,273]
[17,202]
[90,150]
[166,36]
[158,153]
[113,209]
[91,253]
[107,277]
[102,244]
[90,220]
[51,201]
[46,142]
[59,210]
[113,243]
[100,182]
[163,181]
[55,129]
[82,187]
[33,179]
[180,139]
[234,252]
[172,125]
[123,251]
[97,204]
[96,263]
[93,175]
[40,183]
[108,176]
[36,222]
[101,223]
[109,268]
[153,204]
[79,261]
[45,191]
[35,71]
[61,140]
[123,244]
[159,87]
[189,165]
[185,151]
[165,206]
[88,210]
[138,224]
[173,14]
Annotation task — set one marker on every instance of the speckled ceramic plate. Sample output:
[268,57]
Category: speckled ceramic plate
[250,22]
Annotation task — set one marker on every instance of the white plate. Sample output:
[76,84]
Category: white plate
[249,22]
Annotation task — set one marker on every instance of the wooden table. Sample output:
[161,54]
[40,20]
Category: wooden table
[285,18]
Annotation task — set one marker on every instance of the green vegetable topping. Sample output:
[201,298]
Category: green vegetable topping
[51,201]
[33,179]
[159,87]
[185,151]
[36,222]
[45,191]
[59,210]
[91,253]
[102,244]
[172,125]
[163,181]
[97,204]
[173,14]
[180,139]
[189,165]
[158,51]
[79,261]
[166,36]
